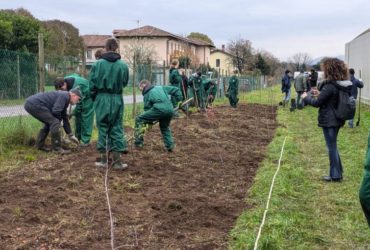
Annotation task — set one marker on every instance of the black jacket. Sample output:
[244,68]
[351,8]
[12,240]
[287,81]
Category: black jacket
[327,101]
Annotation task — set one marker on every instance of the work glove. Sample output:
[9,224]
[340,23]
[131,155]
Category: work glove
[73,138]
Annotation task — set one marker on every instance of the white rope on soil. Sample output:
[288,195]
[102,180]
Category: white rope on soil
[107,196]
[269,197]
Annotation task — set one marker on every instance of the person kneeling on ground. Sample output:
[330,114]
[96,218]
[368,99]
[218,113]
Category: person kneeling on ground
[157,107]
[51,108]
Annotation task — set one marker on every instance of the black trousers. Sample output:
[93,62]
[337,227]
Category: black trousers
[51,123]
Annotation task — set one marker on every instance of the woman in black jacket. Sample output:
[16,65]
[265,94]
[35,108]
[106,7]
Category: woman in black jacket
[336,77]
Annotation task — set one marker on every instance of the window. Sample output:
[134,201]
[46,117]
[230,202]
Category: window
[89,54]
[218,62]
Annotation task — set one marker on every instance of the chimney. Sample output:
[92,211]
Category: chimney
[223,47]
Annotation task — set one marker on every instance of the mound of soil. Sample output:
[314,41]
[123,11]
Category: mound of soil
[187,199]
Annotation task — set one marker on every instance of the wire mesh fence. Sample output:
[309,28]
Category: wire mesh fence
[19,79]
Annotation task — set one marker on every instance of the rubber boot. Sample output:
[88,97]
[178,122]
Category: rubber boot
[40,141]
[102,161]
[56,142]
[117,162]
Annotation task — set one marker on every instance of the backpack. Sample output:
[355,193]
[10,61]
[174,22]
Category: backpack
[346,106]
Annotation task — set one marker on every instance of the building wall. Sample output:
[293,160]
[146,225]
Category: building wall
[357,56]
[203,53]
[226,66]
[165,48]
[91,51]
[159,45]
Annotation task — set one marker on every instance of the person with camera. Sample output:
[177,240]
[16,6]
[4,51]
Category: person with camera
[326,99]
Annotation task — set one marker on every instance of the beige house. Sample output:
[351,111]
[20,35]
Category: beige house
[167,46]
[222,61]
[92,43]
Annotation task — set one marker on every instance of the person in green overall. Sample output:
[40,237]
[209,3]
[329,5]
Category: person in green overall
[210,91]
[175,93]
[364,193]
[157,107]
[108,76]
[196,90]
[84,111]
[175,77]
[233,90]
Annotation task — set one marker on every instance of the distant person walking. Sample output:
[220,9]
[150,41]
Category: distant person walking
[312,80]
[336,75]
[300,85]
[285,87]
[356,83]
[233,90]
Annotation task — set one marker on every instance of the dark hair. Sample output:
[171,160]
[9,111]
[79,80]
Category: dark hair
[111,44]
[199,73]
[334,69]
[59,82]
[144,82]
[287,71]
[351,71]
[174,62]
[98,54]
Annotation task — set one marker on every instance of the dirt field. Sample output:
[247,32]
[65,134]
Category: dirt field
[188,199]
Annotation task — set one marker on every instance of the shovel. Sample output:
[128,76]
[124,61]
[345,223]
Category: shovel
[359,111]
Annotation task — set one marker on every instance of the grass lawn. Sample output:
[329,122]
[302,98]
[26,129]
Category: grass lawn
[305,212]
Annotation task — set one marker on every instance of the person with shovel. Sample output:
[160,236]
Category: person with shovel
[356,83]
[157,107]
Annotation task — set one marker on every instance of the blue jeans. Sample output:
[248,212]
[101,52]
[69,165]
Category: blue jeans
[287,96]
[330,135]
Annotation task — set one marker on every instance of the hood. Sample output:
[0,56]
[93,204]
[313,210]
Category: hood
[111,56]
[344,85]
[147,89]
[70,82]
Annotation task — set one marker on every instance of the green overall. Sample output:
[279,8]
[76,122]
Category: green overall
[157,107]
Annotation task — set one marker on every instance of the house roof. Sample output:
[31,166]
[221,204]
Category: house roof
[363,33]
[95,40]
[150,31]
[221,51]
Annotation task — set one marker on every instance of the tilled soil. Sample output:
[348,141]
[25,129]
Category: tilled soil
[187,199]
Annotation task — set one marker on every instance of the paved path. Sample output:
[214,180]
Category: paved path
[16,110]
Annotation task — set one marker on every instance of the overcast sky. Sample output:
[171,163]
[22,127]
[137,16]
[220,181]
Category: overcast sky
[282,27]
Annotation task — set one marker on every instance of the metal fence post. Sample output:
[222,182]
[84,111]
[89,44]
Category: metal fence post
[41,63]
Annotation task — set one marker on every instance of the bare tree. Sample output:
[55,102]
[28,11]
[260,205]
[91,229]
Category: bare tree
[138,51]
[139,55]
[242,50]
[300,61]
